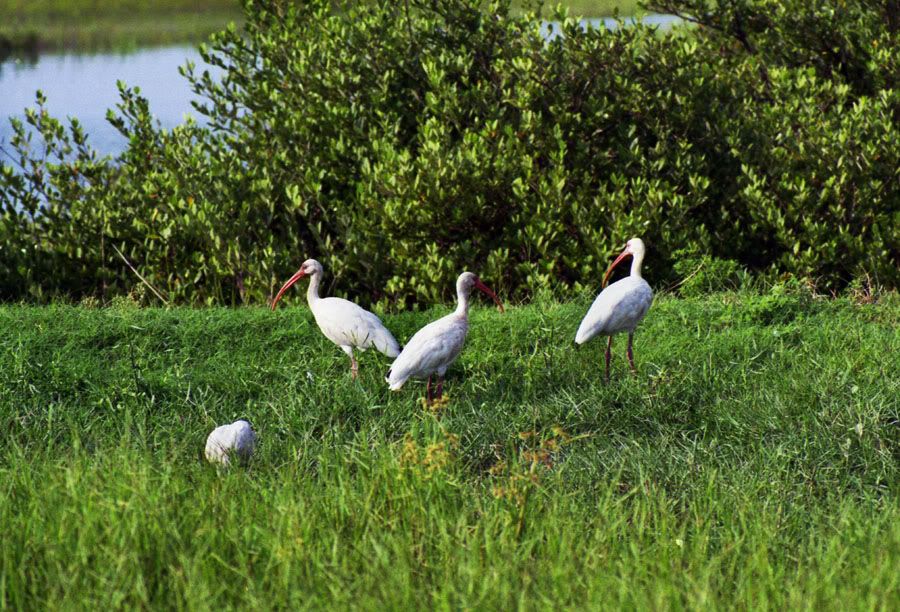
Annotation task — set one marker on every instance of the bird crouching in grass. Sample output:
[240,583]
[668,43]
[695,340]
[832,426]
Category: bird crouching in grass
[235,441]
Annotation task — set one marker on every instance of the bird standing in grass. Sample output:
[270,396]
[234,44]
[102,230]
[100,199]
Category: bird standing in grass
[434,347]
[342,322]
[236,440]
[621,306]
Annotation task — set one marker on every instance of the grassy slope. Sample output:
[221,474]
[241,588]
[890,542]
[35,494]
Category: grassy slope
[99,24]
[754,459]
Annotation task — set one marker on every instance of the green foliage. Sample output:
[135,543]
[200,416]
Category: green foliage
[749,464]
[402,143]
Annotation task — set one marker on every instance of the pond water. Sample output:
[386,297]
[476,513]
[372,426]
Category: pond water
[84,86]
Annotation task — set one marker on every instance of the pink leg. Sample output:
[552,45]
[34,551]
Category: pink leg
[428,397]
[608,356]
[631,353]
[440,387]
[354,366]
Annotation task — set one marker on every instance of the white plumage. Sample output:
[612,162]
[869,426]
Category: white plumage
[235,440]
[434,347]
[621,306]
[342,321]
[430,351]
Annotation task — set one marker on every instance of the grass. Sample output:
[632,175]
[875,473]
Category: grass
[26,25]
[593,8]
[86,25]
[752,463]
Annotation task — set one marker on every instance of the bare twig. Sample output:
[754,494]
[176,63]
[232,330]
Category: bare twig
[138,274]
[687,278]
[409,29]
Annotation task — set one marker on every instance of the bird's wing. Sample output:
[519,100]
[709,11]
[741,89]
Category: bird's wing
[595,319]
[605,314]
[381,337]
[631,304]
[435,345]
[244,439]
[640,299]
[217,445]
[347,324]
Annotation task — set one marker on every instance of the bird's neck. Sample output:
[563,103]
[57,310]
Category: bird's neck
[312,292]
[462,303]
[636,262]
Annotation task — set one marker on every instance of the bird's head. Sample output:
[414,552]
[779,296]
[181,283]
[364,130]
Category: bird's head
[468,281]
[310,267]
[633,248]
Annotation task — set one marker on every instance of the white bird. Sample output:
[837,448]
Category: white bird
[236,439]
[342,321]
[621,306]
[434,347]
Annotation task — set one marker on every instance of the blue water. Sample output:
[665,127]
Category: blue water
[84,86]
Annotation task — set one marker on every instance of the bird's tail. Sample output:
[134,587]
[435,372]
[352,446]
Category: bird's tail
[386,343]
[395,383]
[586,332]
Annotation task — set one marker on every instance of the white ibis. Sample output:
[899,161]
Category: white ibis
[619,307]
[342,322]
[434,347]
[236,439]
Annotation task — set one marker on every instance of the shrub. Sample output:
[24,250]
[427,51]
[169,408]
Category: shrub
[701,274]
[404,142]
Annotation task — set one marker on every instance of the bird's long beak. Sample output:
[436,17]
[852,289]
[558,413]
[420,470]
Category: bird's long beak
[486,289]
[297,276]
[622,256]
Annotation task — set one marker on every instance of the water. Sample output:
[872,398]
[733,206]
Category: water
[551,29]
[84,86]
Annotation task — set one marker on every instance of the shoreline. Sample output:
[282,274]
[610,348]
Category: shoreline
[111,33]
[117,29]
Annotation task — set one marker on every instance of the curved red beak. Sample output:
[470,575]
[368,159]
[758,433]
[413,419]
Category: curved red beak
[297,276]
[622,256]
[480,285]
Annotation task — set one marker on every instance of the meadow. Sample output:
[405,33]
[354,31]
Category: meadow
[753,462]
[107,24]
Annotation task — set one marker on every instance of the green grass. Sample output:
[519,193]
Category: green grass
[592,8]
[107,24]
[752,463]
